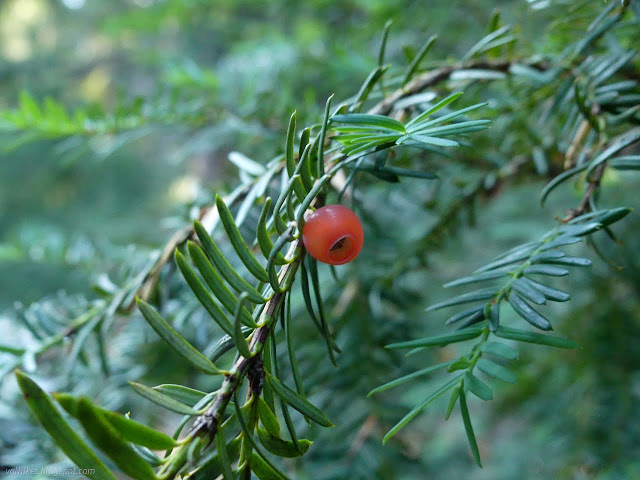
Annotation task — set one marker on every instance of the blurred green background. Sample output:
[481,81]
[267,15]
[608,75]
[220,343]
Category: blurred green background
[224,76]
[244,65]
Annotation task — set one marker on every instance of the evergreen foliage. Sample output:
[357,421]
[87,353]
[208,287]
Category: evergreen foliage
[245,327]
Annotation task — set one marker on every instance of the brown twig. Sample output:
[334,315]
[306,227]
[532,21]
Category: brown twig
[208,217]
[418,84]
[431,78]
[576,143]
[594,184]
[207,423]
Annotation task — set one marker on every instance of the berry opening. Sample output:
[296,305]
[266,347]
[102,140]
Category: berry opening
[333,234]
[342,250]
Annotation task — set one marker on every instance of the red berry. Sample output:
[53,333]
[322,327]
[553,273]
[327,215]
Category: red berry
[333,234]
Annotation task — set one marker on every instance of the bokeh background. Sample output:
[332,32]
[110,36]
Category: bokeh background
[78,215]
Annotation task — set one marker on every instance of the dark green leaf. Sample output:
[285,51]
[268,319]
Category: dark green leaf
[176,341]
[445,339]
[162,399]
[533,337]
[473,320]
[406,378]
[210,466]
[268,418]
[215,283]
[321,137]
[201,293]
[517,256]
[499,349]
[479,277]
[418,408]
[383,43]
[493,315]
[290,347]
[298,402]
[475,296]
[289,147]
[315,281]
[612,216]
[629,162]
[581,229]
[495,370]
[282,240]
[546,270]
[547,255]
[528,292]
[356,148]
[305,162]
[60,431]
[238,242]
[393,174]
[248,436]
[185,395]
[484,43]
[438,142]
[454,128]
[111,442]
[374,121]
[571,261]
[313,193]
[223,266]
[282,448]
[604,23]
[264,240]
[523,309]
[455,393]
[441,104]
[620,142]
[289,422]
[464,410]
[564,176]
[223,345]
[223,455]
[367,86]
[238,335]
[263,470]
[477,387]
[282,198]
[415,63]
[365,137]
[548,292]
[461,364]
[129,429]
[561,241]
[283,405]
[147,455]
[12,350]
[525,248]
[306,294]
[473,312]
[444,118]
[585,108]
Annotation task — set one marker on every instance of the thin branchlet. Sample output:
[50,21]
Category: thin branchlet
[418,84]
[207,423]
